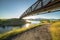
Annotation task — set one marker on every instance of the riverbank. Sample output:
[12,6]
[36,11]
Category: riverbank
[15,32]
[40,32]
[12,22]
[34,32]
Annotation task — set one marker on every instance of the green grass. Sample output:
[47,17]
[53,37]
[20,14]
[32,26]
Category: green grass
[16,31]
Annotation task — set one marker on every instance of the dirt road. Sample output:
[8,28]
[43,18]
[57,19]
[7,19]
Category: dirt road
[38,33]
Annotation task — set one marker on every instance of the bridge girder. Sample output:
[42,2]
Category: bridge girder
[49,7]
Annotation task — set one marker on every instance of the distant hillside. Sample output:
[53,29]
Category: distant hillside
[38,19]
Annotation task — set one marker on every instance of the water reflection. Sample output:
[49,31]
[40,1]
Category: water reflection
[27,25]
[29,22]
[7,28]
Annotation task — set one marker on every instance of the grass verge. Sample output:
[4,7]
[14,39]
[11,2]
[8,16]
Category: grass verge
[17,31]
[55,31]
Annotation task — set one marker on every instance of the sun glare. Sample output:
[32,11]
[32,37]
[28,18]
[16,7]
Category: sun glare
[30,17]
[27,25]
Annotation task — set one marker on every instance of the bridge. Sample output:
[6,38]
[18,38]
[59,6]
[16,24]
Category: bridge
[41,7]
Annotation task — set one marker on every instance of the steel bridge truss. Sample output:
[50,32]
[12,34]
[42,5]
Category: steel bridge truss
[42,6]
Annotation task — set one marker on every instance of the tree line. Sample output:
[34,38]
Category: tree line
[12,22]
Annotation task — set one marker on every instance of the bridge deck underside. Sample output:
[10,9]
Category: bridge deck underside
[48,8]
[45,9]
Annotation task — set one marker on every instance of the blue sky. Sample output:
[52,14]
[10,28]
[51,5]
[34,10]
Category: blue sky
[14,8]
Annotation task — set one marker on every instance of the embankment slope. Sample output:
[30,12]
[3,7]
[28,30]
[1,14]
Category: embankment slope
[38,33]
